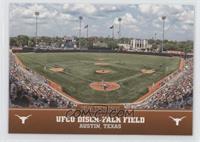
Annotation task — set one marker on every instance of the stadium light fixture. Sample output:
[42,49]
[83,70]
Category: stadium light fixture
[163,36]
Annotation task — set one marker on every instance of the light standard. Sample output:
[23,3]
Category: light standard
[36,27]
[119,32]
[163,37]
[112,28]
[80,25]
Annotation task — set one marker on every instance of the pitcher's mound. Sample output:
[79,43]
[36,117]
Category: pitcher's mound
[104,86]
[103,71]
[147,71]
[57,69]
[102,64]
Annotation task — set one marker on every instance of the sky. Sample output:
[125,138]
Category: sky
[138,21]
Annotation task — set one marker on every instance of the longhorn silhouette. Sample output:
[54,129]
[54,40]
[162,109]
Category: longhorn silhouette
[23,118]
[177,120]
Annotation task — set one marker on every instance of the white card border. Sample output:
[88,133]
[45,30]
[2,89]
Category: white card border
[5,136]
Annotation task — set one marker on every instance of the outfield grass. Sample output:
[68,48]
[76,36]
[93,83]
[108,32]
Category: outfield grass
[79,72]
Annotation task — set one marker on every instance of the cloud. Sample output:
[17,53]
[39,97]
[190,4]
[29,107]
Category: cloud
[62,19]
[25,15]
[157,23]
[179,17]
[128,22]
[159,10]
[187,17]
[66,17]
[127,19]
[109,8]
[147,8]
[80,8]
[28,12]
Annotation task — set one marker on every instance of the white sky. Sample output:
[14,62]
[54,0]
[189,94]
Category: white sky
[139,21]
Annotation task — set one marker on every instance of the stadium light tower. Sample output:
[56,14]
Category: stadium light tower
[36,27]
[80,25]
[119,32]
[112,28]
[163,36]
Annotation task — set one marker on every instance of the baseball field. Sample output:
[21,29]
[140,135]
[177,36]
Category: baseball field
[101,77]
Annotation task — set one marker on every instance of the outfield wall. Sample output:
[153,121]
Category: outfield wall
[24,50]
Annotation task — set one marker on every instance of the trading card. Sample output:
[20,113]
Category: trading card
[95,68]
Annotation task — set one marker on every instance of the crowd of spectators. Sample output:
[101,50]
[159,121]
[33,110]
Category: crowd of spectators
[176,92]
[28,89]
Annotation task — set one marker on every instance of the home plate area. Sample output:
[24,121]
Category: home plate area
[104,86]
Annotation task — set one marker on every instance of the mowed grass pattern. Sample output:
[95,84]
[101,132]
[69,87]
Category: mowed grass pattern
[79,72]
